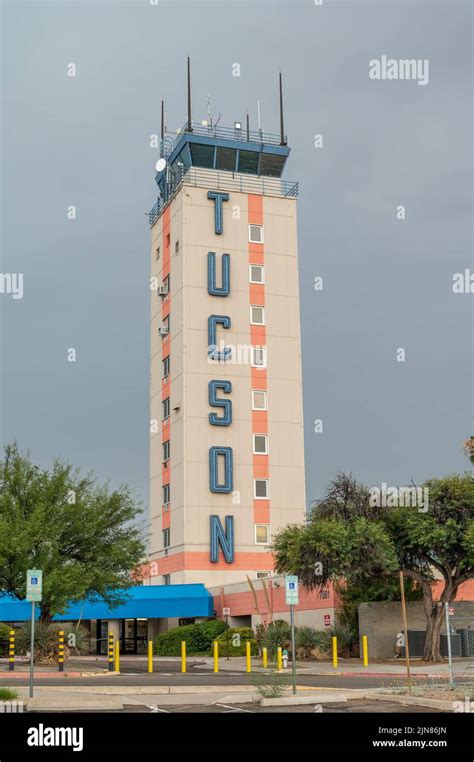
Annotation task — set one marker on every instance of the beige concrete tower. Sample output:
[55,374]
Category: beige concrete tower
[226,456]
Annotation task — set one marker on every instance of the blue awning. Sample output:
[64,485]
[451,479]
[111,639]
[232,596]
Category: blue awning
[141,602]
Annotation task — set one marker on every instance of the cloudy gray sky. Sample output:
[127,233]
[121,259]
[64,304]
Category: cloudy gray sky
[387,282]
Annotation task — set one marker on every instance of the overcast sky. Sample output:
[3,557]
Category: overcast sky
[387,283]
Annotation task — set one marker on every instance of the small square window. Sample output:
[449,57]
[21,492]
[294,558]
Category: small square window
[176,247]
[256,233]
[259,399]
[258,357]
[256,274]
[260,444]
[260,489]
[263,574]
[166,538]
[166,408]
[157,253]
[257,315]
[262,534]
[166,494]
[166,451]
[167,579]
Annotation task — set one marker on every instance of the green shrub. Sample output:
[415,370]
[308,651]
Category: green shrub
[232,642]
[8,694]
[278,634]
[198,637]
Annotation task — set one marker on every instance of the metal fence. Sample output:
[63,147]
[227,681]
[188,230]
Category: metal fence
[227,181]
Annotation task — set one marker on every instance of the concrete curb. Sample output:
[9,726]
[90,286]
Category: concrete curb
[445,706]
[314,698]
[142,690]
[73,704]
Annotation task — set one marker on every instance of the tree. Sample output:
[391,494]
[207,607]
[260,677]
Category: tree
[78,532]
[347,539]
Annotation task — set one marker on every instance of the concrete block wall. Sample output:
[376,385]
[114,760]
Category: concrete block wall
[382,621]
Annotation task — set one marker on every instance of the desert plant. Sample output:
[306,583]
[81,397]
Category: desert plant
[346,640]
[47,638]
[278,634]
[307,640]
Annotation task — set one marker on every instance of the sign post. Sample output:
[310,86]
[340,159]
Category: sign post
[34,587]
[226,613]
[447,613]
[292,600]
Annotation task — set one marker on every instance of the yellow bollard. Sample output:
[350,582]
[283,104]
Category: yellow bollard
[279,659]
[61,651]
[216,656]
[247,656]
[365,650]
[117,656]
[183,656]
[265,657]
[334,652]
[150,656]
[110,651]
[11,651]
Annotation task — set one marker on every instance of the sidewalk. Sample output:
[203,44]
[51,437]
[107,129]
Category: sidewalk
[350,667]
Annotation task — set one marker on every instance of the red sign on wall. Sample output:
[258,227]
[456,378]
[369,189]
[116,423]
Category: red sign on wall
[327,620]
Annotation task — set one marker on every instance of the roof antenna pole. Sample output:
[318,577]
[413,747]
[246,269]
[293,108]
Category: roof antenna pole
[248,128]
[190,124]
[162,133]
[282,126]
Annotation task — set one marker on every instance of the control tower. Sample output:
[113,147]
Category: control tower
[226,454]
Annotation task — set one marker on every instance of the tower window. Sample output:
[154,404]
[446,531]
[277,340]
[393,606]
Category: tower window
[260,489]
[258,357]
[166,451]
[166,494]
[262,534]
[226,159]
[260,444]
[202,155]
[257,315]
[259,399]
[257,274]
[166,538]
[157,253]
[167,579]
[256,233]
[166,408]
[176,247]
[248,162]
[166,366]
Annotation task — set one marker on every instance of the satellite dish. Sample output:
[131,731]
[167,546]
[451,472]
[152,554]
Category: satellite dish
[160,165]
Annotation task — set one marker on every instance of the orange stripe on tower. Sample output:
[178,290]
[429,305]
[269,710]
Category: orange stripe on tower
[258,337]
[165,351]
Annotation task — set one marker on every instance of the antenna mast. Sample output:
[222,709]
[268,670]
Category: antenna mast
[190,124]
[282,126]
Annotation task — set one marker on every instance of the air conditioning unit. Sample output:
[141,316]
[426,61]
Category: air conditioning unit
[163,290]
[163,330]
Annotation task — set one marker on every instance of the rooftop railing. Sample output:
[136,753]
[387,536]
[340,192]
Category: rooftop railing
[227,181]
[226,133]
